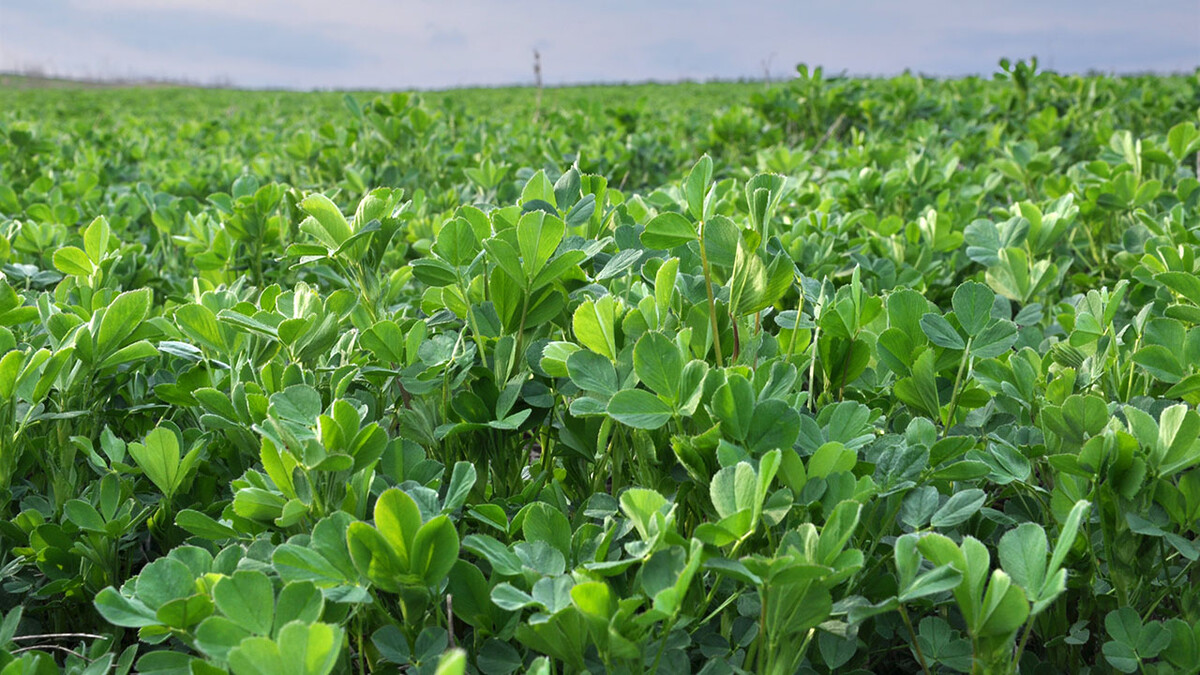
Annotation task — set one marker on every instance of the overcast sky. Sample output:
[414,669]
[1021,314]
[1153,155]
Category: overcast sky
[443,43]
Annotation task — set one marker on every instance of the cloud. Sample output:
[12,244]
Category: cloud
[433,43]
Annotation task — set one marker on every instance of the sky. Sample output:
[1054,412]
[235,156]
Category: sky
[400,44]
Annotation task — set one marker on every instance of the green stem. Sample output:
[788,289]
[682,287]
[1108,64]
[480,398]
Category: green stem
[471,320]
[913,634]
[1021,646]
[712,303]
[795,329]
[816,338]
[521,328]
[662,647]
[962,365]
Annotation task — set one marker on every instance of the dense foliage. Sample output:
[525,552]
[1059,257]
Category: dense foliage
[898,376]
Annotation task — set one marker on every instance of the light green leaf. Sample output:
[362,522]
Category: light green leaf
[668,230]
[159,458]
[124,315]
[71,261]
[328,224]
[594,324]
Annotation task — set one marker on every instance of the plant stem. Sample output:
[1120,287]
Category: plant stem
[1021,646]
[712,303]
[913,634]
[816,338]
[662,647]
[962,365]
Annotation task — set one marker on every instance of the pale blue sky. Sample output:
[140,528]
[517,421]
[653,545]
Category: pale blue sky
[442,43]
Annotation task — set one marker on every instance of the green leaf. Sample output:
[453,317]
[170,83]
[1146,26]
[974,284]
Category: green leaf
[595,600]
[183,613]
[84,516]
[921,391]
[664,286]
[733,405]
[639,409]
[594,325]
[763,193]
[658,364]
[200,324]
[538,188]
[121,611]
[159,458]
[905,308]
[994,340]
[721,240]
[462,479]
[164,580]
[510,598]
[941,333]
[592,372]
[748,284]
[309,649]
[327,224]
[733,489]
[1176,447]
[1087,415]
[300,600]
[124,314]
[668,230]
[73,262]
[1022,552]
[961,506]
[1120,656]
[1183,283]
[435,550]
[433,272]
[553,593]
[96,238]
[256,656]
[620,262]
[538,236]
[375,559]
[398,520]
[831,458]
[1004,607]
[503,254]
[641,505]
[137,351]
[453,662]
[973,306]
[248,599]
[502,560]
[1183,139]
[1066,537]
[835,534]
[1133,641]
[937,580]
[456,242]
[774,425]
[696,186]
[1160,363]
[217,635]
[546,523]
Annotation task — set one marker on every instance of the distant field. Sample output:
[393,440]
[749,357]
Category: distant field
[830,375]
